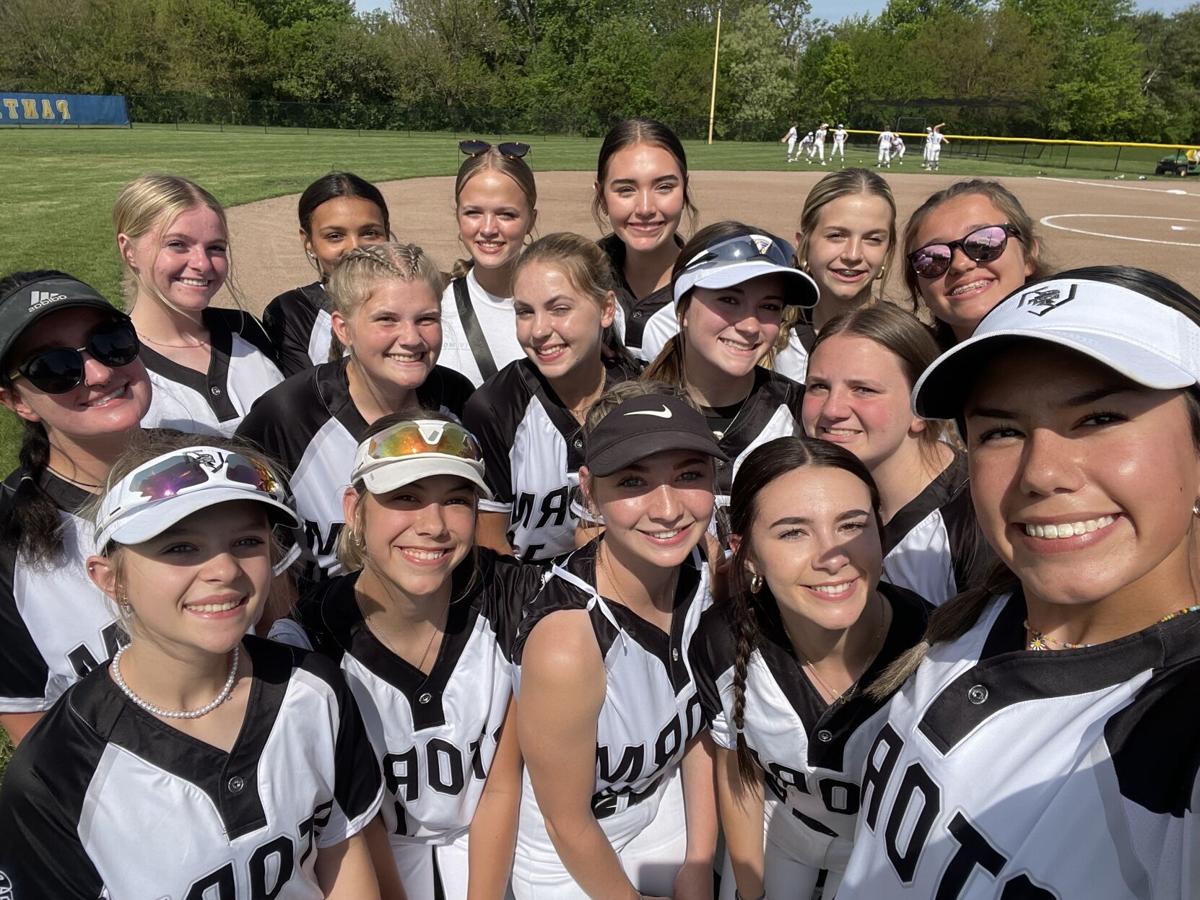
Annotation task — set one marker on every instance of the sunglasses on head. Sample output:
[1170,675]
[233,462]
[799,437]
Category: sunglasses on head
[741,248]
[425,436]
[981,245]
[175,474]
[60,369]
[511,149]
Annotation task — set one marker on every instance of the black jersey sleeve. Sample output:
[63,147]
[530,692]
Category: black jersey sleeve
[289,320]
[243,324]
[509,586]
[283,420]
[495,437]
[446,390]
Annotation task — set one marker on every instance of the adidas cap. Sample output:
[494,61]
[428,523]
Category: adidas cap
[21,308]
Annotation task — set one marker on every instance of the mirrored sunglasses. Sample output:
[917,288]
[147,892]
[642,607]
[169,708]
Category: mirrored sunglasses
[740,249]
[173,475]
[981,245]
[61,369]
[511,149]
[424,436]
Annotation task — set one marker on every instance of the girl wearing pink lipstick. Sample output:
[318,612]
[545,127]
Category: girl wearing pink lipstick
[207,365]
[781,667]
[966,248]
[1056,700]
[422,628]
[860,375]
[495,203]
[618,801]
[234,765]
[527,417]
[641,192]
[69,370]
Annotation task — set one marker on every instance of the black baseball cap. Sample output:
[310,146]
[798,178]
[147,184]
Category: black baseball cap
[646,425]
[24,306]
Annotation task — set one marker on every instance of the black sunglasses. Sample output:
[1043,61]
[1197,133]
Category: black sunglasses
[511,149]
[60,369]
[981,245]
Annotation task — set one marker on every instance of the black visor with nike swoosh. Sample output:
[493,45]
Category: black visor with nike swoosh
[644,426]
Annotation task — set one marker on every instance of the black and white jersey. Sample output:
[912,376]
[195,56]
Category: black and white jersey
[792,360]
[637,310]
[799,741]
[1006,773]
[300,328]
[55,625]
[651,710]
[532,449]
[933,545]
[435,735]
[104,800]
[310,425]
[240,371]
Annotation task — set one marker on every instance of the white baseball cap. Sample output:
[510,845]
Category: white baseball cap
[1148,342]
[418,448]
[738,258]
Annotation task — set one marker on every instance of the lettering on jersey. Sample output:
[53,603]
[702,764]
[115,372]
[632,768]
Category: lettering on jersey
[81,660]
[910,821]
[631,766]
[839,797]
[311,828]
[445,770]
[554,510]
[322,545]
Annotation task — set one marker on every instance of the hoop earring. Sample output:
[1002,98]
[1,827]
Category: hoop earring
[756,584]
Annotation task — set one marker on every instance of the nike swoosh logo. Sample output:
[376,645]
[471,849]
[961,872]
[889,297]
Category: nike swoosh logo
[665,414]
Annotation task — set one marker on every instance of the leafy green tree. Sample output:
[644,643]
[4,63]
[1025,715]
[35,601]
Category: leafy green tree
[757,87]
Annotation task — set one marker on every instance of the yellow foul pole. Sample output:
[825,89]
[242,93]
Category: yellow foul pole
[712,103]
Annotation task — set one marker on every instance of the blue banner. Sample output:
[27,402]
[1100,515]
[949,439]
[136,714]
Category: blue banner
[62,109]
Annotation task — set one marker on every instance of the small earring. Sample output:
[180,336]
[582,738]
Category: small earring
[1196,509]
[756,584]
[882,272]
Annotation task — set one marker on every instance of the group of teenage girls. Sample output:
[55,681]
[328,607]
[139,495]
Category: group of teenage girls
[658,566]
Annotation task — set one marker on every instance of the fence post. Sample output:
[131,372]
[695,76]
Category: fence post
[1024,148]
[1117,162]
[1067,157]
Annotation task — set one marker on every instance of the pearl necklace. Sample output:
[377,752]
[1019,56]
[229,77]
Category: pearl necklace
[175,713]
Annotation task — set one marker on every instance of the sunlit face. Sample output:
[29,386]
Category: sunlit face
[968,290]
[846,250]
[200,585]
[107,401]
[643,196]
[558,326]
[732,328]
[338,226]
[815,542]
[1083,482]
[493,218]
[857,395]
[186,261]
[395,335]
[656,510]
[415,536]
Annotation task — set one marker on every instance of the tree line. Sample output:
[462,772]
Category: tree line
[1088,69]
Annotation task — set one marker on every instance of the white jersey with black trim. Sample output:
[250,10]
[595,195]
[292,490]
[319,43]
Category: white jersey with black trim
[300,326]
[240,371]
[933,545]
[532,450]
[651,710]
[104,800]
[633,312]
[434,734]
[798,740]
[55,625]
[310,426]
[839,136]
[1003,772]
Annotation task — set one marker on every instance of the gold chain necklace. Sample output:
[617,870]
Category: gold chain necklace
[1039,641]
[830,693]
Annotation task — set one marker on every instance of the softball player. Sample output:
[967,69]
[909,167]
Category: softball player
[860,376]
[819,140]
[780,670]
[423,635]
[527,417]
[936,139]
[926,147]
[200,762]
[495,203]
[1056,701]
[338,212]
[898,148]
[77,412]
[806,146]
[207,365]
[642,191]
[790,139]
[387,316]
[839,142]
[608,717]
[959,268]
[886,137]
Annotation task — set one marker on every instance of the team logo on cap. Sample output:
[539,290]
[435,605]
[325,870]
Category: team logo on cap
[1040,301]
[38,299]
[763,244]
[6,888]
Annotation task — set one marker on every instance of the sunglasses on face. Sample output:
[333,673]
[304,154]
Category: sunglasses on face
[739,249]
[511,149]
[60,369]
[981,245]
[409,439]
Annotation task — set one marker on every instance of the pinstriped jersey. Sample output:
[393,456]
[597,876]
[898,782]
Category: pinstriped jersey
[1003,772]
[435,734]
[104,800]
[798,740]
[299,325]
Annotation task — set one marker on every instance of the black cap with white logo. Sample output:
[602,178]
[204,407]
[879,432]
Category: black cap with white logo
[21,308]
[643,426]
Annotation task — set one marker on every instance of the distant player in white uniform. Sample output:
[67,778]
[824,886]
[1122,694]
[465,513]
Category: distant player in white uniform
[898,148]
[839,143]
[819,141]
[790,139]
[933,143]
[885,148]
[806,146]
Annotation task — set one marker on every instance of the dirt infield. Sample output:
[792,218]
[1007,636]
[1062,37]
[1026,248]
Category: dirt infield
[1155,225]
